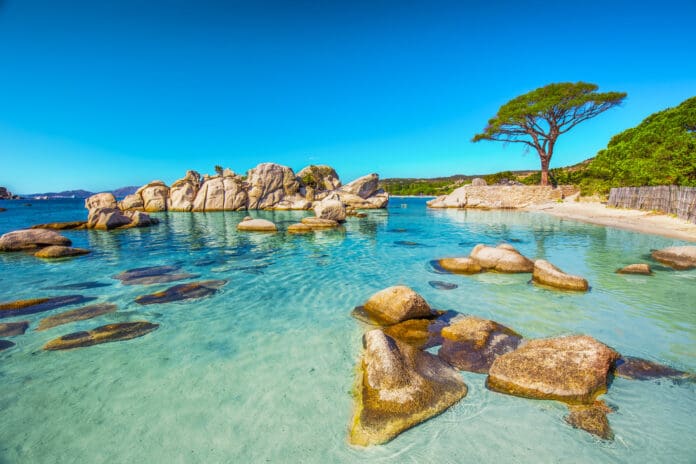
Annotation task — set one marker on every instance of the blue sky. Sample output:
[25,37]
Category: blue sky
[102,94]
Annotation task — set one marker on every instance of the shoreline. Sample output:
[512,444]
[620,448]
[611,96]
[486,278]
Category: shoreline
[646,222]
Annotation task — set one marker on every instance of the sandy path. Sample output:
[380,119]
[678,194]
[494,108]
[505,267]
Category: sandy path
[640,221]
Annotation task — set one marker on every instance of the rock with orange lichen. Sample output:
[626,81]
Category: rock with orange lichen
[591,418]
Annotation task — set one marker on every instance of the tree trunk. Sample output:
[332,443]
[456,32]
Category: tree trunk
[544,171]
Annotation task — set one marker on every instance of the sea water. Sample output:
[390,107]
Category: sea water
[263,370]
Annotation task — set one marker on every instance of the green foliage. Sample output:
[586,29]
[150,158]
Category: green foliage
[538,117]
[661,150]
[492,179]
[419,187]
[218,169]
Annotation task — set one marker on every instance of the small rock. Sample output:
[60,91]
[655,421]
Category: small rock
[591,418]
[678,257]
[463,265]
[441,285]
[72,225]
[319,223]
[29,239]
[104,334]
[57,251]
[399,386]
[10,329]
[643,269]
[396,304]
[299,228]
[257,225]
[159,279]
[193,290]
[546,273]
[79,314]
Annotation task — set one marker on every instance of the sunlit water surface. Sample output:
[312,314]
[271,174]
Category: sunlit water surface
[263,371]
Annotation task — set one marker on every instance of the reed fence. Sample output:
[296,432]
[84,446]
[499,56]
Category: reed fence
[669,199]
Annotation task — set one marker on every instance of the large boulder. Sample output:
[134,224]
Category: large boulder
[503,258]
[364,187]
[107,219]
[101,200]
[547,274]
[396,304]
[269,183]
[572,369]
[221,193]
[319,178]
[155,196]
[399,386]
[678,257]
[133,202]
[183,192]
[331,208]
[29,239]
[470,343]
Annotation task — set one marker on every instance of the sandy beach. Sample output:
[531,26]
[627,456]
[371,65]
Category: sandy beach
[646,222]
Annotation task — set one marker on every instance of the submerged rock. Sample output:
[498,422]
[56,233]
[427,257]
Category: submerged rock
[29,239]
[5,344]
[643,269]
[463,265]
[547,274]
[632,368]
[299,228]
[10,329]
[678,257]
[71,225]
[257,225]
[181,292]
[79,314]
[472,344]
[104,334]
[319,223]
[441,285]
[503,258]
[149,271]
[396,304]
[79,286]
[57,251]
[591,418]
[421,333]
[38,305]
[159,279]
[573,369]
[399,386]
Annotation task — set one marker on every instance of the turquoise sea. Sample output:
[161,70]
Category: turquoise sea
[263,370]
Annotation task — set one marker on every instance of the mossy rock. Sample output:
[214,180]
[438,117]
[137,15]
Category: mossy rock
[104,334]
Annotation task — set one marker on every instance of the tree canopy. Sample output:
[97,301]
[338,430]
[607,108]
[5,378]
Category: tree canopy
[661,150]
[538,117]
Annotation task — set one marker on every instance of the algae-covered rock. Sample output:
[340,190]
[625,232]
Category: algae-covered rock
[181,292]
[632,368]
[104,334]
[10,329]
[79,314]
[642,269]
[29,239]
[472,344]
[503,258]
[547,274]
[678,257]
[462,265]
[38,305]
[399,386]
[57,251]
[591,418]
[573,369]
[396,304]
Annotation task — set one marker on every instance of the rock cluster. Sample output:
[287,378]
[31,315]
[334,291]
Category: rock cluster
[267,186]
[500,196]
[104,212]
[7,195]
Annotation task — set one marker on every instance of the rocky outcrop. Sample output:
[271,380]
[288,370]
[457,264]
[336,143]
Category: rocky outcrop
[104,334]
[677,257]
[104,213]
[133,202]
[183,192]
[31,239]
[79,314]
[257,225]
[572,369]
[193,290]
[101,200]
[331,208]
[399,386]
[57,251]
[472,344]
[421,333]
[154,195]
[396,304]
[500,196]
[319,178]
[549,275]
[5,194]
[642,269]
[222,193]
[269,183]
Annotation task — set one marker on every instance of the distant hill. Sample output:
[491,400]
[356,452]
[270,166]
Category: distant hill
[79,194]
[123,191]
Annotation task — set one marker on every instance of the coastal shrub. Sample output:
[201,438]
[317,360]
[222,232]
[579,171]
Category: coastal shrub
[492,179]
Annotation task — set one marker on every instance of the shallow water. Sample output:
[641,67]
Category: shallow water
[263,370]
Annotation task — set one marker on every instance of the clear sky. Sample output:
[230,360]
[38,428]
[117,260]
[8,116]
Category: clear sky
[100,94]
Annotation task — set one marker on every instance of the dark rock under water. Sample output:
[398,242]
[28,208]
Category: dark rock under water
[104,334]
[79,314]
[181,292]
[38,305]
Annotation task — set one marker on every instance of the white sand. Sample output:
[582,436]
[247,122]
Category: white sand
[646,222]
